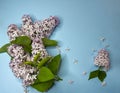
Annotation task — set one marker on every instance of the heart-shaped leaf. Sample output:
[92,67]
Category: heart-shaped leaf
[43,61]
[55,64]
[4,48]
[24,41]
[47,42]
[45,74]
[93,74]
[102,75]
[43,86]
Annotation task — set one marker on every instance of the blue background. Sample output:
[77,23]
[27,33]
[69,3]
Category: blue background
[83,23]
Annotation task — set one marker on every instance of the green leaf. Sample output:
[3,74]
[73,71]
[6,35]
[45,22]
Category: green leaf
[43,86]
[36,81]
[4,48]
[24,41]
[47,42]
[102,75]
[45,74]
[57,78]
[30,63]
[43,61]
[55,64]
[93,74]
[36,58]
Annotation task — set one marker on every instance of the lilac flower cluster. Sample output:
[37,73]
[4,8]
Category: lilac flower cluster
[36,31]
[102,59]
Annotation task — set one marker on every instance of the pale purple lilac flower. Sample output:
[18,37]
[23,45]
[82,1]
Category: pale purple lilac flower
[15,51]
[27,25]
[21,71]
[36,31]
[102,59]
[13,32]
[24,72]
[37,46]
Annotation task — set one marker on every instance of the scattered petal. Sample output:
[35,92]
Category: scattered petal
[70,81]
[102,39]
[106,46]
[94,50]
[84,73]
[103,83]
[67,49]
[75,61]
[58,49]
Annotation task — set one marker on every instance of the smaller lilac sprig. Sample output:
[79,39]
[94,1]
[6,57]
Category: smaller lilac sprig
[102,61]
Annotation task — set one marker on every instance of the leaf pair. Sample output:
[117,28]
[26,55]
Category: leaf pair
[43,86]
[44,80]
[47,75]
[101,75]
[25,42]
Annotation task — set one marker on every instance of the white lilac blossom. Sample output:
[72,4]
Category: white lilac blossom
[37,46]
[24,72]
[102,59]
[16,51]
[84,73]
[21,71]
[48,25]
[36,31]
[13,32]
[27,25]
